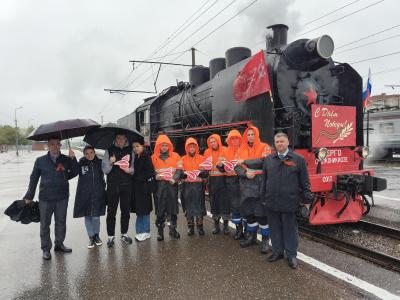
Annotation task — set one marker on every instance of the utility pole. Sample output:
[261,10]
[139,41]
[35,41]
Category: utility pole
[193,56]
[101,119]
[16,129]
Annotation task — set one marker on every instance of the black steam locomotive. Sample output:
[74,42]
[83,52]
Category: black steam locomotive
[206,105]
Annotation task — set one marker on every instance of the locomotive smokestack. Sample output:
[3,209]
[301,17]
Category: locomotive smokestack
[279,36]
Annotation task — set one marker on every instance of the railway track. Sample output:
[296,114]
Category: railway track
[384,260]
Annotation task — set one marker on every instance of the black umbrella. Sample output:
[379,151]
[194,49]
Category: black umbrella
[63,129]
[103,137]
[19,211]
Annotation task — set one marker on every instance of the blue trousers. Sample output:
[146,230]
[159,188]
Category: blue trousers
[92,225]
[284,233]
[142,223]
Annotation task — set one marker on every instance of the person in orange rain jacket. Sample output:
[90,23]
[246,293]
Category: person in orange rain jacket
[165,161]
[251,208]
[193,187]
[219,200]
[234,141]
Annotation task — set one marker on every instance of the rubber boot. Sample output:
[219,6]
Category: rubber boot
[239,232]
[264,244]
[173,232]
[190,230]
[226,227]
[200,229]
[216,229]
[250,240]
[160,236]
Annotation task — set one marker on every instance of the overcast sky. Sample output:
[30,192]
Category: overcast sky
[56,57]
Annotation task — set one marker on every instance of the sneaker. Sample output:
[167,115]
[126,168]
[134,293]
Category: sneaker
[110,242]
[91,243]
[97,240]
[139,237]
[126,239]
[146,236]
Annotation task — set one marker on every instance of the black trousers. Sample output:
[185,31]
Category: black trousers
[284,233]
[118,194]
[161,220]
[47,209]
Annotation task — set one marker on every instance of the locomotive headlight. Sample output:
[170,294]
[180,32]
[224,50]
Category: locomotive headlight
[363,151]
[321,153]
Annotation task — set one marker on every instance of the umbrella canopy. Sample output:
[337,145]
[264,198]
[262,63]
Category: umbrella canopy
[103,137]
[19,211]
[63,129]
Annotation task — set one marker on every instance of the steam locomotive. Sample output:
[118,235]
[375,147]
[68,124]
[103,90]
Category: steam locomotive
[306,84]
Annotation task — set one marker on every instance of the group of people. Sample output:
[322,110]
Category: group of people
[256,187]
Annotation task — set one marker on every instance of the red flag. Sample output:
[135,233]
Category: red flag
[253,79]
[124,162]
[167,174]
[192,175]
[229,165]
[207,164]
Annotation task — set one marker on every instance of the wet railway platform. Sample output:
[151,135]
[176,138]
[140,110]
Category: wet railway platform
[192,267]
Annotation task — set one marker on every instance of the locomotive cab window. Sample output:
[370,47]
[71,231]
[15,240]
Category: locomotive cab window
[386,128]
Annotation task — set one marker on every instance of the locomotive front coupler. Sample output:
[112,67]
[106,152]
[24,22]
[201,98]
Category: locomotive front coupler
[363,184]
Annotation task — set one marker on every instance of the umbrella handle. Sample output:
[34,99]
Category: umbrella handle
[69,145]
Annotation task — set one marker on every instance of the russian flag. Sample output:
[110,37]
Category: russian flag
[367,90]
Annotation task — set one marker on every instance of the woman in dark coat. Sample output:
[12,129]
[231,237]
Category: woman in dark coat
[90,200]
[143,180]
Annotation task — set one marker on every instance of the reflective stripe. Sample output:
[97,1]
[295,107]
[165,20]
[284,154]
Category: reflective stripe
[257,172]
[164,169]
[197,180]
[216,173]
[264,226]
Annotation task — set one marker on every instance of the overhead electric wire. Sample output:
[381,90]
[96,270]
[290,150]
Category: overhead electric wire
[368,44]
[383,71]
[331,12]
[202,26]
[210,33]
[376,57]
[368,36]
[169,40]
[139,76]
[341,18]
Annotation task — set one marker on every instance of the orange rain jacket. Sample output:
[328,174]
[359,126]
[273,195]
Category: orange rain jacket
[191,163]
[217,155]
[173,161]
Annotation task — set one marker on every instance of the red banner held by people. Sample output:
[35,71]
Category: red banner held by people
[333,126]
[252,80]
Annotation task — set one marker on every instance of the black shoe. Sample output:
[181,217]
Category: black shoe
[46,255]
[62,248]
[226,227]
[216,229]
[110,241]
[200,229]
[97,240]
[251,240]
[160,236]
[190,230]
[126,239]
[239,232]
[91,243]
[264,245]
[173,233]
[275,257]
[292,261]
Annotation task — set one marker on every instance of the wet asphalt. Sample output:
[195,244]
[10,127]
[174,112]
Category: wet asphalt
[213,266]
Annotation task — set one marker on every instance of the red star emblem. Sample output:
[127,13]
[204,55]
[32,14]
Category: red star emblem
[311,96]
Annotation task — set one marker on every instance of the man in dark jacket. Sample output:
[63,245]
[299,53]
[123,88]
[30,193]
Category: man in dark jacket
[119,187]
[285,182]
[54,170]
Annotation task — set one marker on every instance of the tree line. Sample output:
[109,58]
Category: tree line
[7,135]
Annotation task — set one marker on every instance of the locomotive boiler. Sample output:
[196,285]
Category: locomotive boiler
[316,101]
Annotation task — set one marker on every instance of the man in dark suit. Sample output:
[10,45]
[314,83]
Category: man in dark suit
[285,184]
[54,170]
